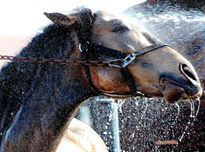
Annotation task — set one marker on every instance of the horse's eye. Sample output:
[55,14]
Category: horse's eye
[120,28]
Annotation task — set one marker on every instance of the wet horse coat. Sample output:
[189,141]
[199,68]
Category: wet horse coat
[39,100]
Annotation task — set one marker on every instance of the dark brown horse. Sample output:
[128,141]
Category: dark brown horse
[39,100]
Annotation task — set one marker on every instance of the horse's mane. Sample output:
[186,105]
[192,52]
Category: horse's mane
[18,78]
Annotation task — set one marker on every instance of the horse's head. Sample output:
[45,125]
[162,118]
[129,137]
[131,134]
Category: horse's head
[161,72]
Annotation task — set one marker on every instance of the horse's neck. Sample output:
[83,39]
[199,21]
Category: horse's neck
[46,109]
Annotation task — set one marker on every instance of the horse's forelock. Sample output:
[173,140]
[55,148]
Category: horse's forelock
[87,18]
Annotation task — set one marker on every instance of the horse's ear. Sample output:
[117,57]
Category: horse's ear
[61,18]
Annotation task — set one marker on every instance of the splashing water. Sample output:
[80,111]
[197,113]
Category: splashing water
[146,123]
[184,23]
[193,114]
[178,111]
[119,104]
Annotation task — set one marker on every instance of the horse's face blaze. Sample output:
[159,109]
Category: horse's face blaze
[159,73]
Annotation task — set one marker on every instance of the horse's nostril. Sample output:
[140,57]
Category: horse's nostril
[187,71]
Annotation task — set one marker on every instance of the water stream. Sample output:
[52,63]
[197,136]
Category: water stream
[194,110]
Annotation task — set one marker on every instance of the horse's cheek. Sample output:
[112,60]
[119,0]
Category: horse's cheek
[107,79]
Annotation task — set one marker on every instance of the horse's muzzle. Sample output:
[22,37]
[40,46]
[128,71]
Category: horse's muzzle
[185,85]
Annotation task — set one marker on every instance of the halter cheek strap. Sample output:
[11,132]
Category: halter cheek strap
[85,56]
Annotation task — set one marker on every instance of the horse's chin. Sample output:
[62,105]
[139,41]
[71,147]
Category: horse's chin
[172,92]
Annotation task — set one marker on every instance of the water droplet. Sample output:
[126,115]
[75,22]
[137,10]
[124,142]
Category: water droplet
[105,133]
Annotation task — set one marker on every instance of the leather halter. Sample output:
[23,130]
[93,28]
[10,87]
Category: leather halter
[92,51]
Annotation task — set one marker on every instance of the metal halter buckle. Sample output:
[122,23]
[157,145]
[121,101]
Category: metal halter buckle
[122,63]
[128,60]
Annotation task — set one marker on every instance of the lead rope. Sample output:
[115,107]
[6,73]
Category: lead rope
[60,61]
